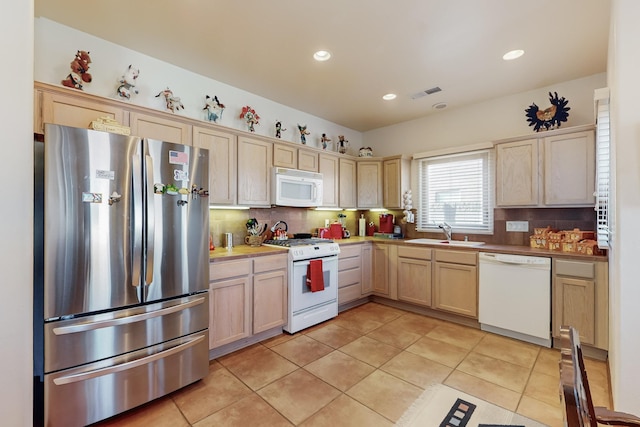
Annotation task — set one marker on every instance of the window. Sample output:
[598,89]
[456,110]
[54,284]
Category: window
[603,173]
[456,189]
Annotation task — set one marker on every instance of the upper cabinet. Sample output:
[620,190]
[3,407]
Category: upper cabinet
[396,181]
[154,127]
[285,156]
[556,170]
[347,186]
[308,160]
[369,184]
[223,172]
[328,167]
[254,172]
[70,110]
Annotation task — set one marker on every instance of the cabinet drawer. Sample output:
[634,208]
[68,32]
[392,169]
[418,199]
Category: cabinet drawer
[417,253]
[227,269]
[349,277]
[575,268]
[349,263]
[457,257]
[269,263]
[349,251]
[349,293]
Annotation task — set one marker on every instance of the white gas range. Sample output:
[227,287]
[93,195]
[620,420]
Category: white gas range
[307,308]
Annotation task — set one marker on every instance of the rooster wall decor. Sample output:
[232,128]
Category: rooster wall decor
[551,117]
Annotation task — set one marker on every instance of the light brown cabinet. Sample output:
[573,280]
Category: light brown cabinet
[160,128]
[552,171]
[455,283]
[329,168]
[72,110]
[247,297]
[369,184]
[308,160]
[396,176]
[254,172]
[367,284]
[222,148]
[354,272]
[285,156]
[384,260]
[347,187]
[580,299]
[414,275]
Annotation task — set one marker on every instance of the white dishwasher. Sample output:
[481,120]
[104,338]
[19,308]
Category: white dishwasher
[515,296]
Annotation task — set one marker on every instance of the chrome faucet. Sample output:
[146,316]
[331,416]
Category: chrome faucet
[446,229]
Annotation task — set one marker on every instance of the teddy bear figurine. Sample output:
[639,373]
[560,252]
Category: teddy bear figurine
[128,83]
[79,71]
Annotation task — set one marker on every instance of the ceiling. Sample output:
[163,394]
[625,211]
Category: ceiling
[377,47]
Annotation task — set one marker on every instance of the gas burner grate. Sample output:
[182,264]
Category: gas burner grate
[297,242]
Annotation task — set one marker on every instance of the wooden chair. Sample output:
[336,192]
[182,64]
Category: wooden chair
[574,389]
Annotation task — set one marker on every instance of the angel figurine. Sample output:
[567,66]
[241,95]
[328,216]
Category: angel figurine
[303,133]
[214,108]
[279,129]
[251,117]
[324,140]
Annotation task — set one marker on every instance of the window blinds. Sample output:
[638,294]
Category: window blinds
[457,189]
[603,169]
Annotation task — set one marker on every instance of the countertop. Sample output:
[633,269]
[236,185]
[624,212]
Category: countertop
[245,251]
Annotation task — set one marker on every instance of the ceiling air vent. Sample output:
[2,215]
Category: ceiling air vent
[426,92]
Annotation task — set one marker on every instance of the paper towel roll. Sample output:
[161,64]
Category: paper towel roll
[362,225]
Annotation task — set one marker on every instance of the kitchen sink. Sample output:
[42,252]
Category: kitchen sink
[445,242]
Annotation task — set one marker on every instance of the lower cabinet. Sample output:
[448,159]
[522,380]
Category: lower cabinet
[455,284]
[414,275]
[580,299]
[247,297]
[354,272]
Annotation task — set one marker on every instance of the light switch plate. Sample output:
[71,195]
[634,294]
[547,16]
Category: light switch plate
[518,226]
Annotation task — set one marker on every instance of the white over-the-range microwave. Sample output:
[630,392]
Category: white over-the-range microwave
[292,187]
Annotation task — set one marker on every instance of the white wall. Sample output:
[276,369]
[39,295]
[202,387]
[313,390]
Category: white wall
[487,121]
[16,247]
[624,82]
[56,45]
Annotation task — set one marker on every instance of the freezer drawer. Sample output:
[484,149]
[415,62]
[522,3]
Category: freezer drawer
[86,339]
[90,393]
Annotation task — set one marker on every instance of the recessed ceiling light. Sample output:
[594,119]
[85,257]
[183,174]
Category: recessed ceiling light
[439,105]
[513,54]
[321,55]
[389,96]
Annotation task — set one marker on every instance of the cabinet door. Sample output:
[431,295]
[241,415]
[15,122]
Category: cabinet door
[222,148]
[269,300]
[347,175]
[414,281]
[456,289]
[76,111]
[395,182]
[574,301]
[366,283]
[307,160]
[285,156]
[569,169]
[229,311]
[254,172]
[380,260]
[148,126]
[517,170]
[328,167]
[369,184]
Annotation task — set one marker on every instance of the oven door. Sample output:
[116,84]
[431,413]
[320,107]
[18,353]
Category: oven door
[301,296]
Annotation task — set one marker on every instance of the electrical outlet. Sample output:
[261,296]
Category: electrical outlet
[521,226]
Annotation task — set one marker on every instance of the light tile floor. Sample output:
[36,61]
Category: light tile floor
[365,367]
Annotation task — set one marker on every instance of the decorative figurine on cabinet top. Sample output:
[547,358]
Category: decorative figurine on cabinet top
[342,144]
[324,141]
[214,109]
[128,83]
[279,129]
[365,152]
[303,133]
[551,117]
[251,117]
[173,102]
[79,71]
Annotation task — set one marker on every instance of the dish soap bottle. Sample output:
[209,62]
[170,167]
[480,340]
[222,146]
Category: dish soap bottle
[362,224]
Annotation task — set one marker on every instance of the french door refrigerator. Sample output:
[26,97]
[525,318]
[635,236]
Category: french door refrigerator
[121,273]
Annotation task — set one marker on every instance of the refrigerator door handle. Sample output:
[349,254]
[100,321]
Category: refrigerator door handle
[84,327]
[150,219]
[74,378]
[136,262]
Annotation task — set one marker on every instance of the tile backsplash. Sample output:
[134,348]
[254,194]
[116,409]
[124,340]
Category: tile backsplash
[300,220]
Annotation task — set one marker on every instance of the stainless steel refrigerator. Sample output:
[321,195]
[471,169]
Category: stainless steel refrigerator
[121,273]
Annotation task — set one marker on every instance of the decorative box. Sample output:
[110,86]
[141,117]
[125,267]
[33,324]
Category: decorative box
[589,247]
[577,235]
[107,124]
[569,246]
[538,241]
